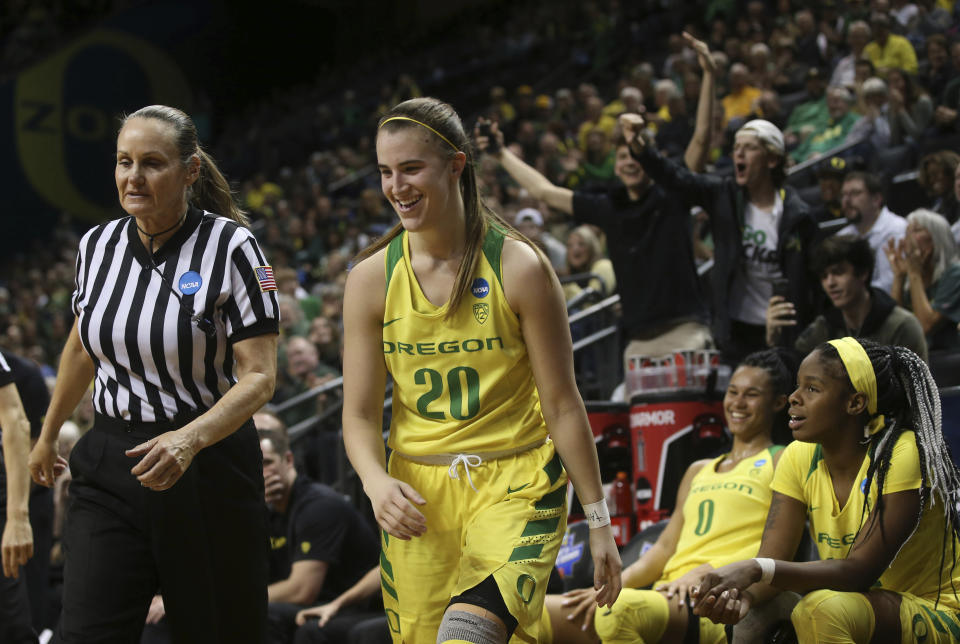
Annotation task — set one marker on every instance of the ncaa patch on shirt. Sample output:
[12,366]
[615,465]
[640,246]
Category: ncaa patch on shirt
[760,463]
[190,282]
[265,279]
[480,288]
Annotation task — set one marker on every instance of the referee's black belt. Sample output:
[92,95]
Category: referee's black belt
[132,427]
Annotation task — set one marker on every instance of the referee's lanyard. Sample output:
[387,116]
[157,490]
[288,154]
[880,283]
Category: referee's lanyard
[206,326]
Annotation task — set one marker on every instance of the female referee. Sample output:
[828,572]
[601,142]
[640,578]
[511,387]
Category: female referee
[870,470]
[469,321]
[176,324]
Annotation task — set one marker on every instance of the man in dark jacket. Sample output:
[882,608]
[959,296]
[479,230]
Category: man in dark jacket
[762,231]
[845,265]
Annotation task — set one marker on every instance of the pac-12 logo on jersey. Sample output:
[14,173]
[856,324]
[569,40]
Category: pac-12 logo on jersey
[480,288]
[190,282]
[481,311]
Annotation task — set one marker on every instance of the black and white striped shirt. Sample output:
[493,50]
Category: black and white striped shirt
[152,362]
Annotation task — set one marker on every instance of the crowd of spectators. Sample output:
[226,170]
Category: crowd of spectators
[883,78]
[31,28]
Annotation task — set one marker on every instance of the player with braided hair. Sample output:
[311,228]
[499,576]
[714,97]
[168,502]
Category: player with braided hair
[721,507]
[872,473]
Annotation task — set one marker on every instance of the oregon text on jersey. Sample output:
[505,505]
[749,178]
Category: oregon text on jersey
[470,345]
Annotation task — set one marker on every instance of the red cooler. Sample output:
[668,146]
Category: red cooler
[675,419]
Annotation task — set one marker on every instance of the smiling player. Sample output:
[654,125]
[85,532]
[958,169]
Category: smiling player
[870,470]
[469,321]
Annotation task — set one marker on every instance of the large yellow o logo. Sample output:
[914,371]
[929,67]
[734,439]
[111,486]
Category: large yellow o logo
[47,126]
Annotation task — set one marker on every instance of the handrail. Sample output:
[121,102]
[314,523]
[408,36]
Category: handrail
[809,163]
[903,177]
[580,297]
[594,337]
[303,396]
[302,428]
[590,310]
[354,176]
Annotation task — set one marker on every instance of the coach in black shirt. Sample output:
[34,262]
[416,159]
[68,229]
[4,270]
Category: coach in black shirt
[319,544]
[177,328]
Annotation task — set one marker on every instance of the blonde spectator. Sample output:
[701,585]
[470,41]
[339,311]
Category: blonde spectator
[926,277]
[585,255]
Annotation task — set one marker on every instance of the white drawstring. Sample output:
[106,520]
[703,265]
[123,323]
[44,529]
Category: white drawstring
[468,461]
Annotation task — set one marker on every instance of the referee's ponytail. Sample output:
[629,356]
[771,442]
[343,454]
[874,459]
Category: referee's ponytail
[211,191]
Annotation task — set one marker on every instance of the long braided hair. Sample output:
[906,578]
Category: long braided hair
[908,399]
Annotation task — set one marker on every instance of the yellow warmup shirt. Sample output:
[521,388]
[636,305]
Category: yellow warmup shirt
[724,514]
[802,474]
[462,385]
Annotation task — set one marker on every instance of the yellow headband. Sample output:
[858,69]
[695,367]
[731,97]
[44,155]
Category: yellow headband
[407,118]
[863,377]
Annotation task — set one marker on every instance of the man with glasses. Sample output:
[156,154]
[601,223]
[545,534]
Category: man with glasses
[861,199]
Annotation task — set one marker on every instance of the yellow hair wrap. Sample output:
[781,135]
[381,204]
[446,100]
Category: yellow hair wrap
[407,118]
[862,375]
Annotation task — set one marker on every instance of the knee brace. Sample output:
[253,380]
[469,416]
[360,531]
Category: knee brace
[460,626]
[830,616]
[637,615]
[487,595]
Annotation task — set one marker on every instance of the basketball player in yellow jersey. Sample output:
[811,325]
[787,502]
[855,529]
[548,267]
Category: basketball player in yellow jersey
[468,319]
[872,473]
[721,507]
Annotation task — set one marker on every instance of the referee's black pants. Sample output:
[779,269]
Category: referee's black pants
[203,543]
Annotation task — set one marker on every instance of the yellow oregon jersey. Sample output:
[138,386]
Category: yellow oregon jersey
[802,474]
[724,514]
[462,385]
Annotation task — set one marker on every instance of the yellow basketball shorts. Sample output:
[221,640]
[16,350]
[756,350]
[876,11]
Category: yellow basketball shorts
[832,616]
[641,616]
[511,528]
[921,622]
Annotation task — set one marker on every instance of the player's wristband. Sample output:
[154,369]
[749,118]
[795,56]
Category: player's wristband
[767,569]
[597,514]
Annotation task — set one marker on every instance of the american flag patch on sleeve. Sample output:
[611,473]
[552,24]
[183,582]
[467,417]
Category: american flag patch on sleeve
[265,279]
